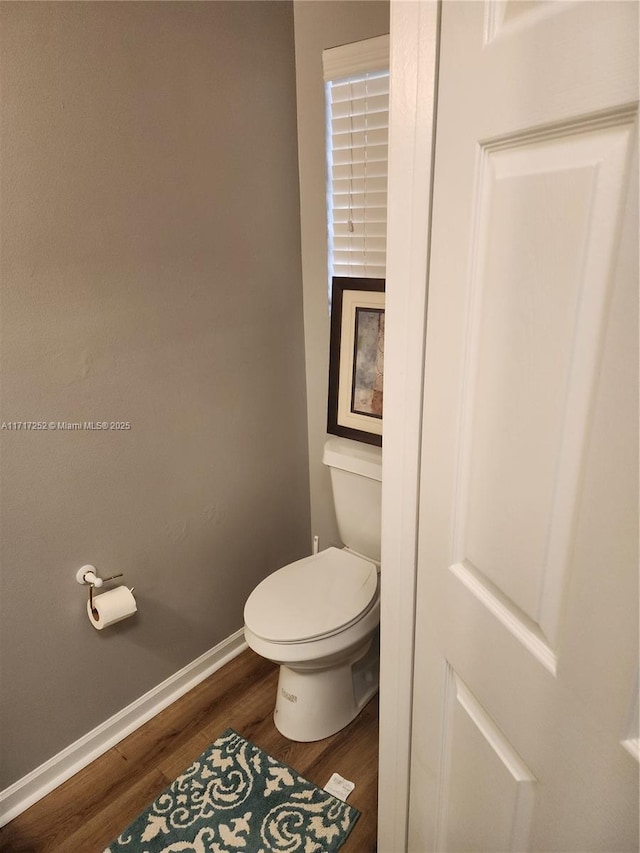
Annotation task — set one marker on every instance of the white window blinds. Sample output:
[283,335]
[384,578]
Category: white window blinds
[358,116]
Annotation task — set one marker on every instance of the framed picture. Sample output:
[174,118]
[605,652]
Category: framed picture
[356,359]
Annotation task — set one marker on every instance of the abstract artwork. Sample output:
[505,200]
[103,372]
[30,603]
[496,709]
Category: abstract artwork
[356,362]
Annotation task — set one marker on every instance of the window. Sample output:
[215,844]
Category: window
[357,86]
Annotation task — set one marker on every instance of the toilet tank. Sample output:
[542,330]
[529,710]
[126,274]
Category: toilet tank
[356,480]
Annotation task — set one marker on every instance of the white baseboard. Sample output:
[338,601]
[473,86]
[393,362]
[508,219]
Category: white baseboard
[41,781]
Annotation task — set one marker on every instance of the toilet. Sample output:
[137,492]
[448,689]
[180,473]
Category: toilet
[318,618]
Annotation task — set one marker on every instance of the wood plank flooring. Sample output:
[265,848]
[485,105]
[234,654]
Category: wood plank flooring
[85,813]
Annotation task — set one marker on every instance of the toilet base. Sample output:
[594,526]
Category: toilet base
[314,704]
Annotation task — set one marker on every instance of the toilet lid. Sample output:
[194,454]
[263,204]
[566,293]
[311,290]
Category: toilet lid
[311,598]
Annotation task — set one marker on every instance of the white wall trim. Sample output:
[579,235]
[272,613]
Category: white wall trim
[414,31]
[41,781]
[356,58]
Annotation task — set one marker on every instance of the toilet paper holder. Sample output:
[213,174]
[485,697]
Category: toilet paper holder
[87,575]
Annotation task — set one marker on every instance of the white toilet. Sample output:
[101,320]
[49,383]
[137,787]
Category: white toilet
[318,617]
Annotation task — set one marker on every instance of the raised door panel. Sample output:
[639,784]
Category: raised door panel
[547,214]
[504,17]
[481,775]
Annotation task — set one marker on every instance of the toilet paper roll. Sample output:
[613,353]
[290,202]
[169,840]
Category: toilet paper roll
[111,607]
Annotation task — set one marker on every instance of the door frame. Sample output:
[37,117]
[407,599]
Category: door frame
[413,83]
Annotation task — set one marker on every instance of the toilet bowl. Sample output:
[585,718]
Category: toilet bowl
[318,617]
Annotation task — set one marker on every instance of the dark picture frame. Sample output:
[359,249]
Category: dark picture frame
[356,359]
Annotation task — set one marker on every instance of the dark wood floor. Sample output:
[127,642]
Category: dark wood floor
[95,805]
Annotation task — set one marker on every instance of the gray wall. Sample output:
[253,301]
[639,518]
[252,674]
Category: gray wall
[318,25]
[150,274]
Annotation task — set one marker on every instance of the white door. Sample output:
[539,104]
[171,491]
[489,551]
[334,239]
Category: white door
[525,715]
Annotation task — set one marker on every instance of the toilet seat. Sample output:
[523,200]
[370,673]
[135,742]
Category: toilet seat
[312,598]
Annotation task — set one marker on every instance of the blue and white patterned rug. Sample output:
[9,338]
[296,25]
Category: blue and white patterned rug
[237,799]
